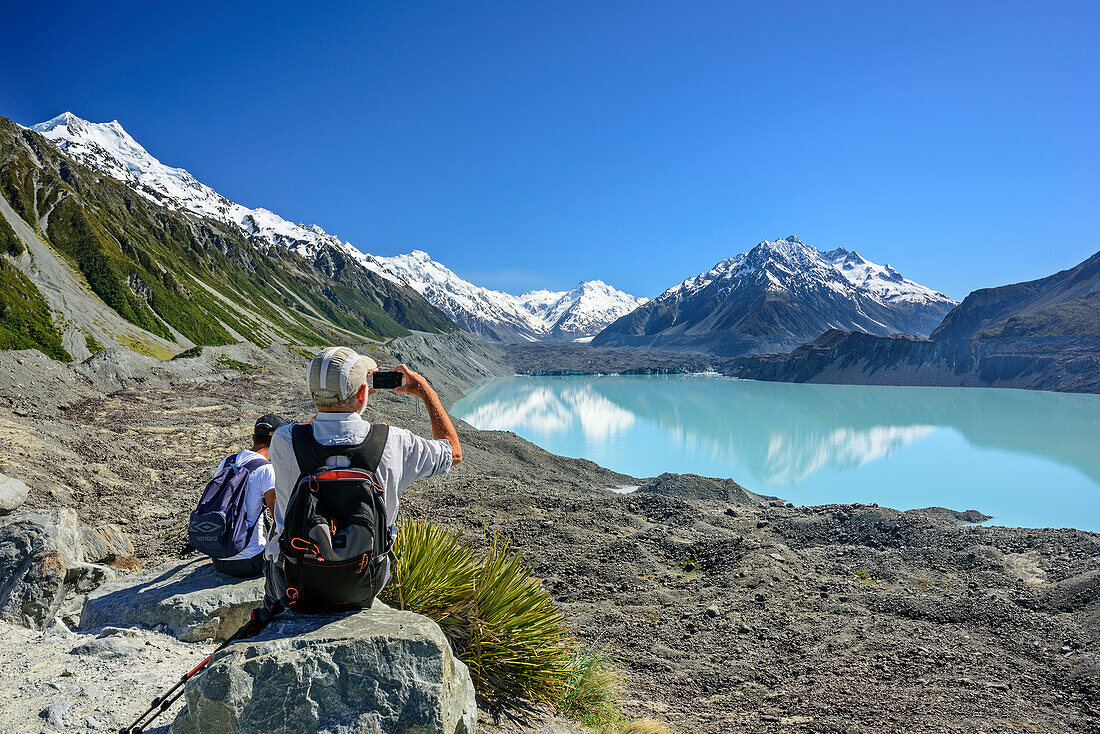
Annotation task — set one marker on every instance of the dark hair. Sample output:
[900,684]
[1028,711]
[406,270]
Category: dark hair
[261,439]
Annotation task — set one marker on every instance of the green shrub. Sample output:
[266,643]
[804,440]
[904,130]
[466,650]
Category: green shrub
[505,628]
[238,365]
[519,646]
[93,346]
[9,243]
[189,353]
[435,576]
[503,625]
[25,319]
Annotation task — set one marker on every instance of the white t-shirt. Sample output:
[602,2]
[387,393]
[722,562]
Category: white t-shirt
[259,482]
[405,458]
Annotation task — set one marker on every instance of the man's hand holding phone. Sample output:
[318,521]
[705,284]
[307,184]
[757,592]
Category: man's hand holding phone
[414,384]
[402,380]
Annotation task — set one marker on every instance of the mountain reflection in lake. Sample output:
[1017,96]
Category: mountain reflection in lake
[1028,458]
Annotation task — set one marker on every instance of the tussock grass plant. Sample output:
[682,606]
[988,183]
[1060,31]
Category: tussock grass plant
[593,690]
[643,727]
[503,625]
[593,694]
[520,645]
[435,576]
[506,628]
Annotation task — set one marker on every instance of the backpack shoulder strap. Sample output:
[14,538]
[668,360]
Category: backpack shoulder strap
[230,463]
[306,449]
[312,455]
[368,455]
[255,464]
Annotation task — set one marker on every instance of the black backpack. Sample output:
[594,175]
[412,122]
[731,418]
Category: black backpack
[336,541]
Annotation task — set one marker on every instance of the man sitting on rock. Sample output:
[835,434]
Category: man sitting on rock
[260,490]
[339,385]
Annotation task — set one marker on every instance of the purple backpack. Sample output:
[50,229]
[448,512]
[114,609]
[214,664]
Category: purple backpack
[219,525]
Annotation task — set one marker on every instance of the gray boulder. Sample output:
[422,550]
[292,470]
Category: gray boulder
[190,599]
[378,671]
[41,558]
[13,493]
[106,543]
[113,643]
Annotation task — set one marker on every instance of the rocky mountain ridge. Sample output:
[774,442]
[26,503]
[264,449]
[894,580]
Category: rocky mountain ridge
[105,267]
[1065,304]
[1043,334]
[776,296]
[577,313]
[574,314]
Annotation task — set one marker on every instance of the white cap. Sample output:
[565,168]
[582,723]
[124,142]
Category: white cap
[337,373]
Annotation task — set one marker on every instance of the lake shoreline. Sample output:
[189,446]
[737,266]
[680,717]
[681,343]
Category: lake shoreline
[898,446]
[847,358]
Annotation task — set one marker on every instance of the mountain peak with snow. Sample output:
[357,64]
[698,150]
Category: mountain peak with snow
[779,294]
[576,313]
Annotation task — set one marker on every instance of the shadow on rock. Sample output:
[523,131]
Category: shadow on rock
[190,600]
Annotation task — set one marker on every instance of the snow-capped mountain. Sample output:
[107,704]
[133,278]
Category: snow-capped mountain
[576,314]
[108,148]
[584,311]
[776,296]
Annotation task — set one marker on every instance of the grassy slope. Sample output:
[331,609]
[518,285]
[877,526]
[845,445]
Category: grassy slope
[25,321]
[9,243]
[144,261]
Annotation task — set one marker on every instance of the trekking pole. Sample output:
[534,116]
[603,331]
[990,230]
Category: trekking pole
[163,702]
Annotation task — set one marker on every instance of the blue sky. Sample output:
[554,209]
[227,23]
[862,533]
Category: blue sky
[537,144]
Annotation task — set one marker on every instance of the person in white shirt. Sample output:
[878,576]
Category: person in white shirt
[339,381]
[260,491]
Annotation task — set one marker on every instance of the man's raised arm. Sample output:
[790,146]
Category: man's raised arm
[441,422]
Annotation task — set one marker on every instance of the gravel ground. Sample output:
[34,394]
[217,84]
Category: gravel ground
[731,612]
[61,681]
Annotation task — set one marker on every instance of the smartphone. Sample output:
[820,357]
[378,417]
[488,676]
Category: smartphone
[386,380]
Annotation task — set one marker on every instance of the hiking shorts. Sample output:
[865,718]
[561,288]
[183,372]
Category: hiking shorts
[241,568]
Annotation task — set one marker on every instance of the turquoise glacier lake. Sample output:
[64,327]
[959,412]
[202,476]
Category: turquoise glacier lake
[1029,458]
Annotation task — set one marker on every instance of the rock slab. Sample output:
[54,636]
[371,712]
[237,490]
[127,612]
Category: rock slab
[189,600]
[378,671]
[41,557]
[13,493]
[106,543]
